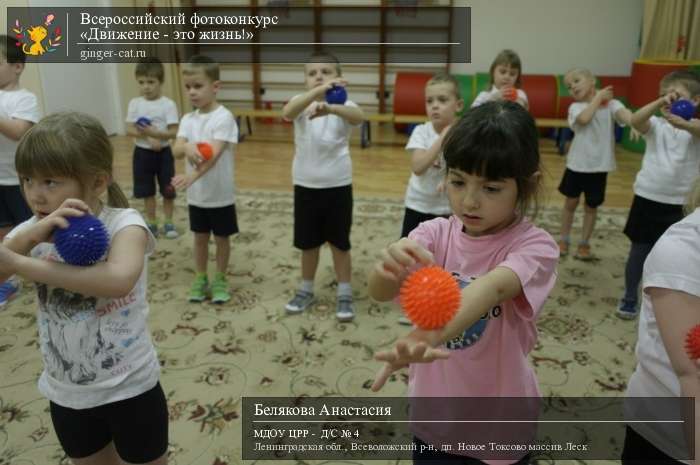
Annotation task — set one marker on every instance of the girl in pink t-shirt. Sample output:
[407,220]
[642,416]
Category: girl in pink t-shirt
[504,264]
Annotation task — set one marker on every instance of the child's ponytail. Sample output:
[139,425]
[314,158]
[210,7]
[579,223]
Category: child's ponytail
[116,197]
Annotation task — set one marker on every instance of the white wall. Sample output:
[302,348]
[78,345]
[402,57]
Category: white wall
[552,36]
[90,88]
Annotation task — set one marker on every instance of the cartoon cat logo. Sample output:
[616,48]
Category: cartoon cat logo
[31,39]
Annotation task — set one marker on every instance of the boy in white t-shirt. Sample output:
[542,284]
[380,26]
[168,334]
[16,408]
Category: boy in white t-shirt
[671,162]
[322,176]
[152,121]
[19,110]
[591,157]
[208,177]
[425,199]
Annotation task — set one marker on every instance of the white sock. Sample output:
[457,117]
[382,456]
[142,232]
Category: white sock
[344,289]
[307,286]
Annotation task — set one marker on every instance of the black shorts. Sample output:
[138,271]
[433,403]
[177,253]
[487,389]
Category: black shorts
[638,451]
[648,220]
[222,221]
[412,218]
[138,427]
[149,165]
[591,184]
[13,208]
[322,215]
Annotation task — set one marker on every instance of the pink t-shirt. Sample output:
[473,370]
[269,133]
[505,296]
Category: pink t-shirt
[490,358]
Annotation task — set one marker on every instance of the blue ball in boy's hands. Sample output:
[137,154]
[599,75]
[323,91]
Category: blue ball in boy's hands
[683,108]
[336,95]
[143,122]
[83,242]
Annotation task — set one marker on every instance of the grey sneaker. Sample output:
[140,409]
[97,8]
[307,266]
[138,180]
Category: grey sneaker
[403,320]
[300,302]
[344,311]
[170,231]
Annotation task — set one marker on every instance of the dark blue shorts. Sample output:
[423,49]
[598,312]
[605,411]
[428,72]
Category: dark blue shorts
[149,166]
[13,208]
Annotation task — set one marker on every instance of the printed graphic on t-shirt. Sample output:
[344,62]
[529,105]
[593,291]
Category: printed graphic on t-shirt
[75,346]
[471,335]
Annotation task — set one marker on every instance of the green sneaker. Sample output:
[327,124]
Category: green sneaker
[219,289]
[198,290]
[154,228]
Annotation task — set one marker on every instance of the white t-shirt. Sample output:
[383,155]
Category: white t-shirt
[671,162]
[674,263]
[422,194]
[593,147]
[14,104]
[96,350]
[215,189]
[485,95]
[162,112]
[321,150]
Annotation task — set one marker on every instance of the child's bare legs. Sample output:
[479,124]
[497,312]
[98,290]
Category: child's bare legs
[199,288]
[149,204]
[168,207]
[309,263]
[223,253]
[201,252]
[305,294]
[343,271]
[219,286]
[342,264]
[589,218]
[168,226]
[567,220]
[583,251]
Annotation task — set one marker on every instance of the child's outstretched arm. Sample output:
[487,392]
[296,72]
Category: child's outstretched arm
[201,166]
[600,96]
[296,105]
[422,159]
[115,277]
[498,285]
[640,118]
[13,128]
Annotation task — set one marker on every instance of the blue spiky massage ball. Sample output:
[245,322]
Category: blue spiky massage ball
[683,108]
[143,121]
[83,242]
[336,95]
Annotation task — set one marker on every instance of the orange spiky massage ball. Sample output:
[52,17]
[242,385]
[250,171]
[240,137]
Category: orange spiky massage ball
[692,342]
[510,93]
[205,149]
[430,297]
